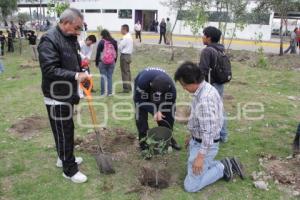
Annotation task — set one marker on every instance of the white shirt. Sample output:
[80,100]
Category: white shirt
[85,51]
[53,102]
[126,44]
[137,27]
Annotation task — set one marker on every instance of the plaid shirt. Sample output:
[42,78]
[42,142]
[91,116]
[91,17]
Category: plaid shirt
[206,118]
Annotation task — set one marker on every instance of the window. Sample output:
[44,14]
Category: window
[125,14]
[109,11]
[93,11]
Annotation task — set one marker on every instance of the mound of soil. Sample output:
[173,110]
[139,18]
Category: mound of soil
[29,127]
[154,178]
[112,140]
[284,171]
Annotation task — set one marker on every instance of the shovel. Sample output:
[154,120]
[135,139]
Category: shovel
[104,162]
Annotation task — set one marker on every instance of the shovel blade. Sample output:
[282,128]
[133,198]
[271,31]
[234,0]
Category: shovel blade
[104,163]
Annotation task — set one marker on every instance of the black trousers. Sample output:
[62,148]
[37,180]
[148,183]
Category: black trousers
[2,49]
[10,46]
[162,34]
[298,130]
[142,120]
[138,35]
[62,125]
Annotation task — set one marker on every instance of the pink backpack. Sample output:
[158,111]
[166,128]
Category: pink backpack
[109,53]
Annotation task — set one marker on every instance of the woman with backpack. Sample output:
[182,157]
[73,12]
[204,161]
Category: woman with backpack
[106,58]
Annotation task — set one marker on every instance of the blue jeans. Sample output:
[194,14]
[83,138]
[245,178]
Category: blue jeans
[106,72]
[224,131]
[1,67]
[212,171]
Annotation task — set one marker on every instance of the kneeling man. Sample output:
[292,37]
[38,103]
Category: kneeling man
[155,93]
[204,124]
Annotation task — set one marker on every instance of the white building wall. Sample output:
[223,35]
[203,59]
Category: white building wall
[112,22]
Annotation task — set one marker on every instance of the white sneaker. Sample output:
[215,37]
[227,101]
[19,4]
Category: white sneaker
[78,160]
[77,178]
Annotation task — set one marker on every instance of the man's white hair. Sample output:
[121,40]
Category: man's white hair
[70,15]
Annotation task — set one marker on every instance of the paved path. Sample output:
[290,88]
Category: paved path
[190,41]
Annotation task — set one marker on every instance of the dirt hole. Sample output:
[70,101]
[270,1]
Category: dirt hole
[285,171]
[28,127]
[154,178]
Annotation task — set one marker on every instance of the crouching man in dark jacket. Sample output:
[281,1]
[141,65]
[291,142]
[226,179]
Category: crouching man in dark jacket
[155,93]
[60,65]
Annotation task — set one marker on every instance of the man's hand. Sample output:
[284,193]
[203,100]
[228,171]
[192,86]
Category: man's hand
[198,164]
[82,76]
[187,141]
[158,116]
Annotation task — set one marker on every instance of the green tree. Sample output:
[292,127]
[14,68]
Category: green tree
[57,7]
[7,7]
[23,17]
[282,8]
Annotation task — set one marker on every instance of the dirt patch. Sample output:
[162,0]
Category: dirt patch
[123,147]
[287,61]
[284,171]
[115,141]
[28,127]
[29,65]
[182,114]
[13,78]
[228,97]
[154,178]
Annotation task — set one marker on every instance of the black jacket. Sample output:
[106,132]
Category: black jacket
[100,49]
[32,39]
[163,27]
[208,58]
[59,62]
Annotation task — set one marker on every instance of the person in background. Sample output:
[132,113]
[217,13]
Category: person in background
[2,42]
[61,72]
[126,49]
[21,28]
[86,49]
[205,123]
[32,43]
[296,143]
[138,30]
[1,66]
[162,30]
[156,26]
[10,42]
[154,93]
[211,38]
[293,43]
[106,58]
[13,29]
[298,38]
[168,31]
[85,26]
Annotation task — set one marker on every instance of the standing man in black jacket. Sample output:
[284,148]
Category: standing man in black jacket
[60,65]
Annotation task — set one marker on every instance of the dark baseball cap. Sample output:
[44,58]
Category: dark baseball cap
[160,85]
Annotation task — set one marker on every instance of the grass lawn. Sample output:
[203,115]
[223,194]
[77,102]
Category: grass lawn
[27,167]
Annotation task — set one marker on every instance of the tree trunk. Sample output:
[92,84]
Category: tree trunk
[281,36]
[233,33]
[171,39]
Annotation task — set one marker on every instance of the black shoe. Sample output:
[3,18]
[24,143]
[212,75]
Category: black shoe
[237,167]
[175,145]
[143,146]
[228,174]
